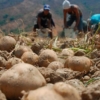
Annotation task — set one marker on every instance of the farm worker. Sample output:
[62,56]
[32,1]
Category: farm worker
[75,15]
[94,22]
[52,21]
[45,20]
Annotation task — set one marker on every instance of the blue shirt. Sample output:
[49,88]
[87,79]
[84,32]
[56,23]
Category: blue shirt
[95,19]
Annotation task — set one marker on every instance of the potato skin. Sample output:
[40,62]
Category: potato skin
[58,91]
[30,57]
[46,57]
[7,43]
[67,52]
[2,62]
[18,52]
[20,77]
[12,61]
[78,63]
[56,65]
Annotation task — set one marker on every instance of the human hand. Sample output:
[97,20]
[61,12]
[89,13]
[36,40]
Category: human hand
[65,27]
[41,27]
[75,28]
[49,29]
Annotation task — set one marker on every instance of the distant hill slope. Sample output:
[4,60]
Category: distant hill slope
[18,15]
[9,3]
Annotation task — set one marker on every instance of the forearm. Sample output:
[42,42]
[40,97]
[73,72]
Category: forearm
[39,22]
[64,21]
[77,22]
[64,17]
[39,25]
[77,16]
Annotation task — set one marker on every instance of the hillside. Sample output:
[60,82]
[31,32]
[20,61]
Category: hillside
[9,3]
[18,15]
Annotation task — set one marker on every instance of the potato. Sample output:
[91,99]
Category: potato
[2,62]
[46,57]
[67,91]
[7,43]
[77,84]
[30,57]
[2,96]
[55,65]
[78,63]
[44,93]
[67,52]
[12,61]
[79,53]
[58,91]
[18,52]
[97,42]
[20,77]
[37,46]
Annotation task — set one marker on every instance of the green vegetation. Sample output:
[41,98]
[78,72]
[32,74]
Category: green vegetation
[5,16]
[3,22]
[16,31]
[29,27]
[11,18]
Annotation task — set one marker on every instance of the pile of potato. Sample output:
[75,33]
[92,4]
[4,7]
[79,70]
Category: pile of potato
[58,91]
[21,79]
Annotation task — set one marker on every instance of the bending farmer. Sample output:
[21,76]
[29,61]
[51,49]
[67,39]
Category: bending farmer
[75,15]
[44,20]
